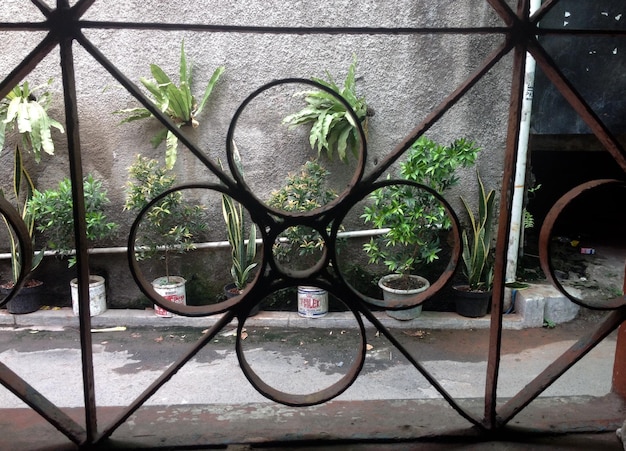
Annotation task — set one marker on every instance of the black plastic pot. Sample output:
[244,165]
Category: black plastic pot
[472,304]
[27,300]
[230,291]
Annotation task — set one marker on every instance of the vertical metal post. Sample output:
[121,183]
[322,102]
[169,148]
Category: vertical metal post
[619,365]
[80,227]
[504,221]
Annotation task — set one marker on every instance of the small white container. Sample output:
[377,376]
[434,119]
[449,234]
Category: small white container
[97,295]
[312,302]
[172,289]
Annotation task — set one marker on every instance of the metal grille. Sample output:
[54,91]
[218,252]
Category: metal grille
[64,27]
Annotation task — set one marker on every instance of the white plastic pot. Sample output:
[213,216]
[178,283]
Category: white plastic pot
[97,295]
[172,289]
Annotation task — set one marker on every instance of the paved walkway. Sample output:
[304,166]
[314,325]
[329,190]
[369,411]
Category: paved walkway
[132,348]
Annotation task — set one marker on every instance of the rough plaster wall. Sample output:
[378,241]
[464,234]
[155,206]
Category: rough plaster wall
[402,77]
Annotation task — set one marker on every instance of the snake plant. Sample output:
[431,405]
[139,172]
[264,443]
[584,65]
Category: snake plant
[478,268]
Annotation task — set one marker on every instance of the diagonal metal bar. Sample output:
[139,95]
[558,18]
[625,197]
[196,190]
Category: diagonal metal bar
[28,64]
[504,222]
[45,9]
[505,12]
[167,375]
[40,404]
[578,103]
[439,111]
[81,7]
[148,104]
[544,9]
[420,368]
[557,368]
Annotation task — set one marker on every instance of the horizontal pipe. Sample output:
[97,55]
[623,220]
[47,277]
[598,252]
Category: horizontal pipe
[206,245]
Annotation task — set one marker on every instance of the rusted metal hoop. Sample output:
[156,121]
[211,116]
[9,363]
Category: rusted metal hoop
[146,287]
[545,242]
[16,222]
[310,399]
[232,164]
[445,276]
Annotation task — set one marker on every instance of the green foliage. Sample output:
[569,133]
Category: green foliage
[242,253]
[477,257]
[22,112]
[175,101]
[549,324]
[528,220]
[304,191]
[411,218]
[171,224]
[333,128]
[53,212]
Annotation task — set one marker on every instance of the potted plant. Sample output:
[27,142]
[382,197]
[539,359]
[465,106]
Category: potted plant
[300,245]
[175,101]
[243,252]
[413,219]
[53,213]
[168,227]
[24,111]
[472,299]
[333,129]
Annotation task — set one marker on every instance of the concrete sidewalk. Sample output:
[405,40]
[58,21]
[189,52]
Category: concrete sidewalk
[531,307]
[210,401]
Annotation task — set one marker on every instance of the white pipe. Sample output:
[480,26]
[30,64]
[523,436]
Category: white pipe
[207,245]
[517,206]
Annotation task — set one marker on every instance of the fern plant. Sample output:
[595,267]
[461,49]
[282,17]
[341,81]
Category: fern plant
[333,129]
[22,110]
[175,101]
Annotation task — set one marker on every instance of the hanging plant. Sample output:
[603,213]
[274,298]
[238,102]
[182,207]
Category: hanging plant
[175,101]
[333,129]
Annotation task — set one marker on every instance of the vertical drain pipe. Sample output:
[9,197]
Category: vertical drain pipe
[517,206]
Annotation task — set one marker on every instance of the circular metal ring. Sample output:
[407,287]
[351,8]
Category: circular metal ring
[147,288]
[545,243]
[310,399]
[445,276]
[16,223]
[233,164]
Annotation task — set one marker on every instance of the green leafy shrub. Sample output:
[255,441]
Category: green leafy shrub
[172,223]
[53,213]
[303,191]
[412,218]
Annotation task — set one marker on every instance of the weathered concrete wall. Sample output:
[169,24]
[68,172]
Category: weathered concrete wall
[402,77]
